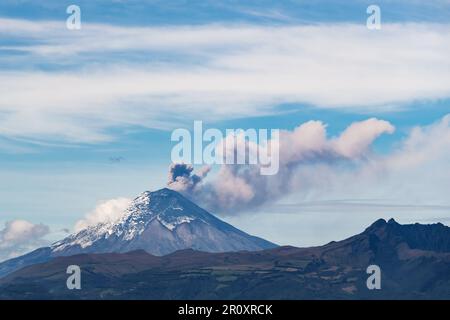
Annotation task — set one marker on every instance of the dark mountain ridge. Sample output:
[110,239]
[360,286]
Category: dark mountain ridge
[414,262]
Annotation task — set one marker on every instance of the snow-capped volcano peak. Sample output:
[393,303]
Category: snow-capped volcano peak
[160,222]
[165,205]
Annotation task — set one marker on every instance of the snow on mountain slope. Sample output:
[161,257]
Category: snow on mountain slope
[160,222]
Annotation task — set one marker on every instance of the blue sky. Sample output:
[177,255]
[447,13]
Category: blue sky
[87,115]
[152,12]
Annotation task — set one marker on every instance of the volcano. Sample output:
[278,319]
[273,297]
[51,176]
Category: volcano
[159,223]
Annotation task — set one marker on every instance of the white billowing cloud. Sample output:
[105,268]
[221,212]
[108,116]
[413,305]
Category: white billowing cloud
[359,136]
[309,140]
[104,212]
[211,72]
[417,171]
[422,146]
[20,236]
[21,231]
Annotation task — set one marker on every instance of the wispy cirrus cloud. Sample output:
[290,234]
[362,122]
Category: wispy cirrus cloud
[105,76]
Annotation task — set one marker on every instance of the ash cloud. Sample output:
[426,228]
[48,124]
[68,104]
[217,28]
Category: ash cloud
[309,162]
[183,179]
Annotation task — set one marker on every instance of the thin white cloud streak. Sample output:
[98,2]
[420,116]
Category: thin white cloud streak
[212,72]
